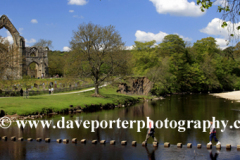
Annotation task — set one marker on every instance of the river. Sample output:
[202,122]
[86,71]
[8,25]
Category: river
[175,107]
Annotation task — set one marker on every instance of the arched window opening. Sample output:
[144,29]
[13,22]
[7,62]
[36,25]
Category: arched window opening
[33,55]
[33,70]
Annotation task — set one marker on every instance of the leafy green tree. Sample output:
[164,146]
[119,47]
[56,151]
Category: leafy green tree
[97,51]
[228,52]
[56,61]
[145,57]
[171,44]
[173,67]
[205,46]
[163,79]
[236,52]
[193,78]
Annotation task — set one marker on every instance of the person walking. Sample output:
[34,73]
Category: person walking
[49,90]
[21,92]
[52,90]
[213,134]
[151,131]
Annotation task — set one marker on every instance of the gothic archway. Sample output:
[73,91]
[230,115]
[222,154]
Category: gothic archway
[33,70]
[18,41]
[17,48]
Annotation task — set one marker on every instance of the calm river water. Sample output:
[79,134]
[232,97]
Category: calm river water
[176,107]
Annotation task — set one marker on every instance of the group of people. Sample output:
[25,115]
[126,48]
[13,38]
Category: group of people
[151,127]
[50,90]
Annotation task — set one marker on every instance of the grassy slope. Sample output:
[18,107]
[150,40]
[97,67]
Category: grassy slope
[23,106]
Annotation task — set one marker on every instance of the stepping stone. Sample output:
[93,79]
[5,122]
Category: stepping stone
[199,146]
[74,140]
[228,146]
[144,144]
[65,140]
[94,141]
[209,146]
[167,144]
[13,138]
[59,140]
[134,143]
[39,139]
[20,139]
[179,145]
[47,140]
[124,143]
[238,147]
[112,142]
[155,144]
[4,138]
[218,146]
[83,141]
[189,145]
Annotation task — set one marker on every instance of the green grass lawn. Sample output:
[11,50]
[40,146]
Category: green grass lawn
[21,106]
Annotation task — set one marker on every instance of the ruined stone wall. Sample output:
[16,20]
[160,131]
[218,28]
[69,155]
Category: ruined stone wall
[38,55]
[22,55]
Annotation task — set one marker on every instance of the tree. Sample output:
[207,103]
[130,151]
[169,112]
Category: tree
[144,56]
[97,52]
[56,61]
[43,43]
[230,10]
[228,52]
[171,44]
[236,52]
[161,77]
[205,46]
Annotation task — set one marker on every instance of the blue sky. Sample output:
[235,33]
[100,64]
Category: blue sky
[141,20]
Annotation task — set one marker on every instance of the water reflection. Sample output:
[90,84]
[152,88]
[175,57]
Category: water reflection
[151,155]
[214,156]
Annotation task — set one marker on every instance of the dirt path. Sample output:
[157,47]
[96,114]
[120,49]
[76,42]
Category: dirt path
[81,91]
[84,90]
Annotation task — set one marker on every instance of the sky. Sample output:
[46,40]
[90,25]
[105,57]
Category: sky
[135,20]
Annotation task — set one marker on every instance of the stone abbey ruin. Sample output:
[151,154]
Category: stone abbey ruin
[31,61]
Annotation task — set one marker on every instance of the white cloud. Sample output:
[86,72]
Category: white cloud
[66,49]
[76,16]
[71,11]
[184,38]
[214,28]
[177,7]
[9,37]
[222,43]
[34,21]
[30,41]
[129,47]
[77,2]
[148,36]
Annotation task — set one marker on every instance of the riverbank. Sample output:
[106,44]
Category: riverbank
[53,104]
[234,95]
